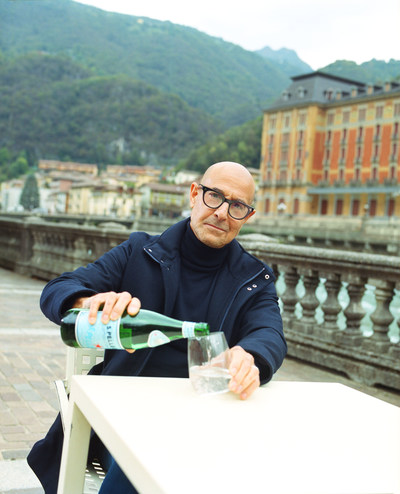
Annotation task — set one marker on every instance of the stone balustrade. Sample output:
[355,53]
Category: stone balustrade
[321,291]
[328,330]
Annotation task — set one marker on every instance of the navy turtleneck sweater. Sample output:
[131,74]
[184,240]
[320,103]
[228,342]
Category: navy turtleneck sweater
[198,274]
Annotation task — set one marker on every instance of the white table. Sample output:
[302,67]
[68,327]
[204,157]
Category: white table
[289,437]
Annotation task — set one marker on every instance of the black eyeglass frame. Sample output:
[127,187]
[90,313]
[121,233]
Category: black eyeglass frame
[205,189]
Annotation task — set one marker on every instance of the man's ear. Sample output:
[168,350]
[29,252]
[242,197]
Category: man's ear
[194,190]
[249,216]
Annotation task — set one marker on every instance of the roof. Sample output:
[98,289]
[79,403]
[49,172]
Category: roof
[326,89]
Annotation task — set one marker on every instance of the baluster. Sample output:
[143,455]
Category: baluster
[289,296]
[354,312]
[309,301]
[330,307]
[381,317]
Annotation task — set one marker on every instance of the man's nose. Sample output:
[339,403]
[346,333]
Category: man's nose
[222,211]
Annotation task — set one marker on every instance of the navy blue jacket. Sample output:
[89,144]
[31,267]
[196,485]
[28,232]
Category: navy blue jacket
[244,306]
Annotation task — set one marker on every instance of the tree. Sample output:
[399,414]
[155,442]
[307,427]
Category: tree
[30,193]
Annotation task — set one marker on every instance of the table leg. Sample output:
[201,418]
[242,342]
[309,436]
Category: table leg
[75,451]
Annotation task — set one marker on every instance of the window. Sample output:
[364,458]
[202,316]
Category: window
[285,138]
[272,122]
[374,173]
[287,121]
[379,111]
[372,207]
[362,114]
[395,130]
[357,174]
[302,118]
[324,206]
[375,156]
[390,207]
[377,132]
[267,205]
[397,109]
[394,152]
[344,134]
[329,136]
[327,154]
[298,155]
[326,175]
[355,207]
[341,175]
[331,118]
[392,173]
[360,133]
[339,207]
[296,206]
[301,92]
[346,116]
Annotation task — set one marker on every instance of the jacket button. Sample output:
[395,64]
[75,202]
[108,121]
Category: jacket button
[249,288]
[254,286]
[267,276]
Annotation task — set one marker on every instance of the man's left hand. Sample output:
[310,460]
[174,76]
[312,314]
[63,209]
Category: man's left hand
[245,375]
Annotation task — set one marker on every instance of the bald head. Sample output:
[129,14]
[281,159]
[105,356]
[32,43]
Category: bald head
[235,171]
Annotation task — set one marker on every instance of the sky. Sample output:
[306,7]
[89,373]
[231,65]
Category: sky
[320,31]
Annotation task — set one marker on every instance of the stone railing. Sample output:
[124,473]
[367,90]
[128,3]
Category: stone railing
[341,309]
[322,292]
[373,235]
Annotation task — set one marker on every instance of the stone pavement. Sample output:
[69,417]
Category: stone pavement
[32,356]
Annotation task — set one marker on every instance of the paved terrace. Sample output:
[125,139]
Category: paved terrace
[32,356]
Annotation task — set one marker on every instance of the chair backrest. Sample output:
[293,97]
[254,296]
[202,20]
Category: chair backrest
[80,361]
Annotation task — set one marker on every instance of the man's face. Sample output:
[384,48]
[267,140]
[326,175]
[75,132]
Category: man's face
[214,227]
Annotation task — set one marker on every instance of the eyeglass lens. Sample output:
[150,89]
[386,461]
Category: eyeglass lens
[214,200]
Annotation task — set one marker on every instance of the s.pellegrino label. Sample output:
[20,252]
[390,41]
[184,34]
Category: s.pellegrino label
[97,335]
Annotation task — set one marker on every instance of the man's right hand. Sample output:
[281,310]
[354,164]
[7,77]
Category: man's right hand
[112,304]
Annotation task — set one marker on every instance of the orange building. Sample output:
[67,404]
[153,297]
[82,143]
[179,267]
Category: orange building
[330,146]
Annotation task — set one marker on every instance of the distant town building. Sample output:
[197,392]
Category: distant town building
[330,146]
[165,200]
[67,166]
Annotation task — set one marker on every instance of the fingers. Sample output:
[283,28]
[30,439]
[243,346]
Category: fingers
[112,305]
[245,375]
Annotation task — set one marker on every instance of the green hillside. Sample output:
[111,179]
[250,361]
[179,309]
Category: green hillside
[226,81]
[52,107]
[374,71]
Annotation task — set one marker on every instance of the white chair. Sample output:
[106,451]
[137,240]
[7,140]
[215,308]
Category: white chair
[80,361]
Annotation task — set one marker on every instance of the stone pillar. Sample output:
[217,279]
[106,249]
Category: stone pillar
[381,317]
[309,301]
[289,297]
[354,312]
[331,307]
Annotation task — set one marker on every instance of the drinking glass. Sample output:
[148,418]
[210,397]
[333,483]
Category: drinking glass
[208,362]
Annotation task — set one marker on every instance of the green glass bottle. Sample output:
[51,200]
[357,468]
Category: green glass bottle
[146,329]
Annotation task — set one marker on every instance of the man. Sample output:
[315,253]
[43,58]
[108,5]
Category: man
[195,270]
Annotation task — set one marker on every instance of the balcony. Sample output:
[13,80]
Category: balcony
[391,181]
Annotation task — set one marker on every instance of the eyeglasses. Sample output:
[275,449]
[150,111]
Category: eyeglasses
[213,199]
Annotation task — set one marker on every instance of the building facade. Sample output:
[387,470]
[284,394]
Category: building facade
[330,146]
